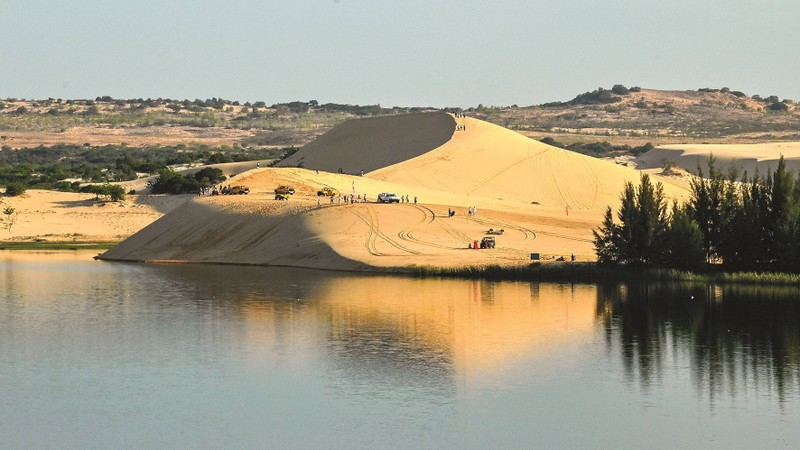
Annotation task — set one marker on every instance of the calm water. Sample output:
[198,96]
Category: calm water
[96,354]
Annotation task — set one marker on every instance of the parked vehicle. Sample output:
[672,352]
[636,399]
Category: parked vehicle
[282,196]
[328,192]
[284,189]
[487,242]
[239,190]
[387,197]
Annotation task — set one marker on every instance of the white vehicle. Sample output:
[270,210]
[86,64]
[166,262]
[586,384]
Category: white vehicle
[386,197]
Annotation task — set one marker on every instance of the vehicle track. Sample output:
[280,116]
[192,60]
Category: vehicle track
[375,233]
[369,244]
[529,234]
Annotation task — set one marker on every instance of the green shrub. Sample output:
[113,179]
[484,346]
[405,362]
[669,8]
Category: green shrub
[16,188]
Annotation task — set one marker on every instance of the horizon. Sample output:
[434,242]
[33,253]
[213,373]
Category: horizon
[101,98]
[451,54]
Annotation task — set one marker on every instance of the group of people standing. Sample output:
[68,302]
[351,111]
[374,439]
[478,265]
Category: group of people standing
[472,211]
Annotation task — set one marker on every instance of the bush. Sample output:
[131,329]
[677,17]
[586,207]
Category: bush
[778,106]
[16,188]
[620,89]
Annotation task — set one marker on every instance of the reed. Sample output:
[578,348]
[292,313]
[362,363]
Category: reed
[46,245]
[592,272]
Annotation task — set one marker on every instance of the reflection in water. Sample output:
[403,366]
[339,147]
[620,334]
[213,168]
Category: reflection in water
[209,356]
[430,332]
[733,337]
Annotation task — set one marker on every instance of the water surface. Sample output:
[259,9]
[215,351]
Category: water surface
[99,354]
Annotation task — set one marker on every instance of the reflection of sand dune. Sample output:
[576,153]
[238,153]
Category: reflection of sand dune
[477,325]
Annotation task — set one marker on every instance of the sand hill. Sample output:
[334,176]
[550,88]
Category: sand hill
[545,199]
[761,158]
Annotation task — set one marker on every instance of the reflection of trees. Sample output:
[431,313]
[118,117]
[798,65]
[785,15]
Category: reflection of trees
[732,337]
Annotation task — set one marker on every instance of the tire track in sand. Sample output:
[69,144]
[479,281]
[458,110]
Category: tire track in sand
[407,235]
[372,222]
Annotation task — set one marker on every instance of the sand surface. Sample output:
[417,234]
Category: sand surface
[65,216]
[761,158]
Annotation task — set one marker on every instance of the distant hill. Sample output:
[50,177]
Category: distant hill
[619,115]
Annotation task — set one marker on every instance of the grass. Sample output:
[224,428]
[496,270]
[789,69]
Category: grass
[49,245]
[592,273]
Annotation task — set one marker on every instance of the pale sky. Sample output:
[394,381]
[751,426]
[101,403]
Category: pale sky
[394,53]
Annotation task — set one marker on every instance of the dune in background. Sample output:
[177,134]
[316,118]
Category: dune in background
[752,158]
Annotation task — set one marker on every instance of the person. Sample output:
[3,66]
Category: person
[415,199]
[258,164]
[573,257]
[319,204]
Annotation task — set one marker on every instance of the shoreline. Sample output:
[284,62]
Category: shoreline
[573,272]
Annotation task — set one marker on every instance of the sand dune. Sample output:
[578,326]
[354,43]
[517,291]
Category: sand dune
[547,200]
[745,157]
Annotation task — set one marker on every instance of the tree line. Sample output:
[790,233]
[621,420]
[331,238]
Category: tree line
[50,167]
[734,222]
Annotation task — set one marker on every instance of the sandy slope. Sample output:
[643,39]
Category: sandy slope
[66,216]
[364,145]
[745,157]
[546,200]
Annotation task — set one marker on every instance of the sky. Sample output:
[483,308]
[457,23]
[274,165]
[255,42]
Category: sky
[459,53]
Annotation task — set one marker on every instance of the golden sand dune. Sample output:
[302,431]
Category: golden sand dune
[493,163]
[762,158]
[545,200]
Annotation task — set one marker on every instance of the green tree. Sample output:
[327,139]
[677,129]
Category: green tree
[684,241]
[640,236]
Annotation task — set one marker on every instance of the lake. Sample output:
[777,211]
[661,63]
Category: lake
[101,354]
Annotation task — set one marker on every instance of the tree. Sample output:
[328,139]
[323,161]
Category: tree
[620,89]
[684,242]
[605,240]
[640,237]
[708,195]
